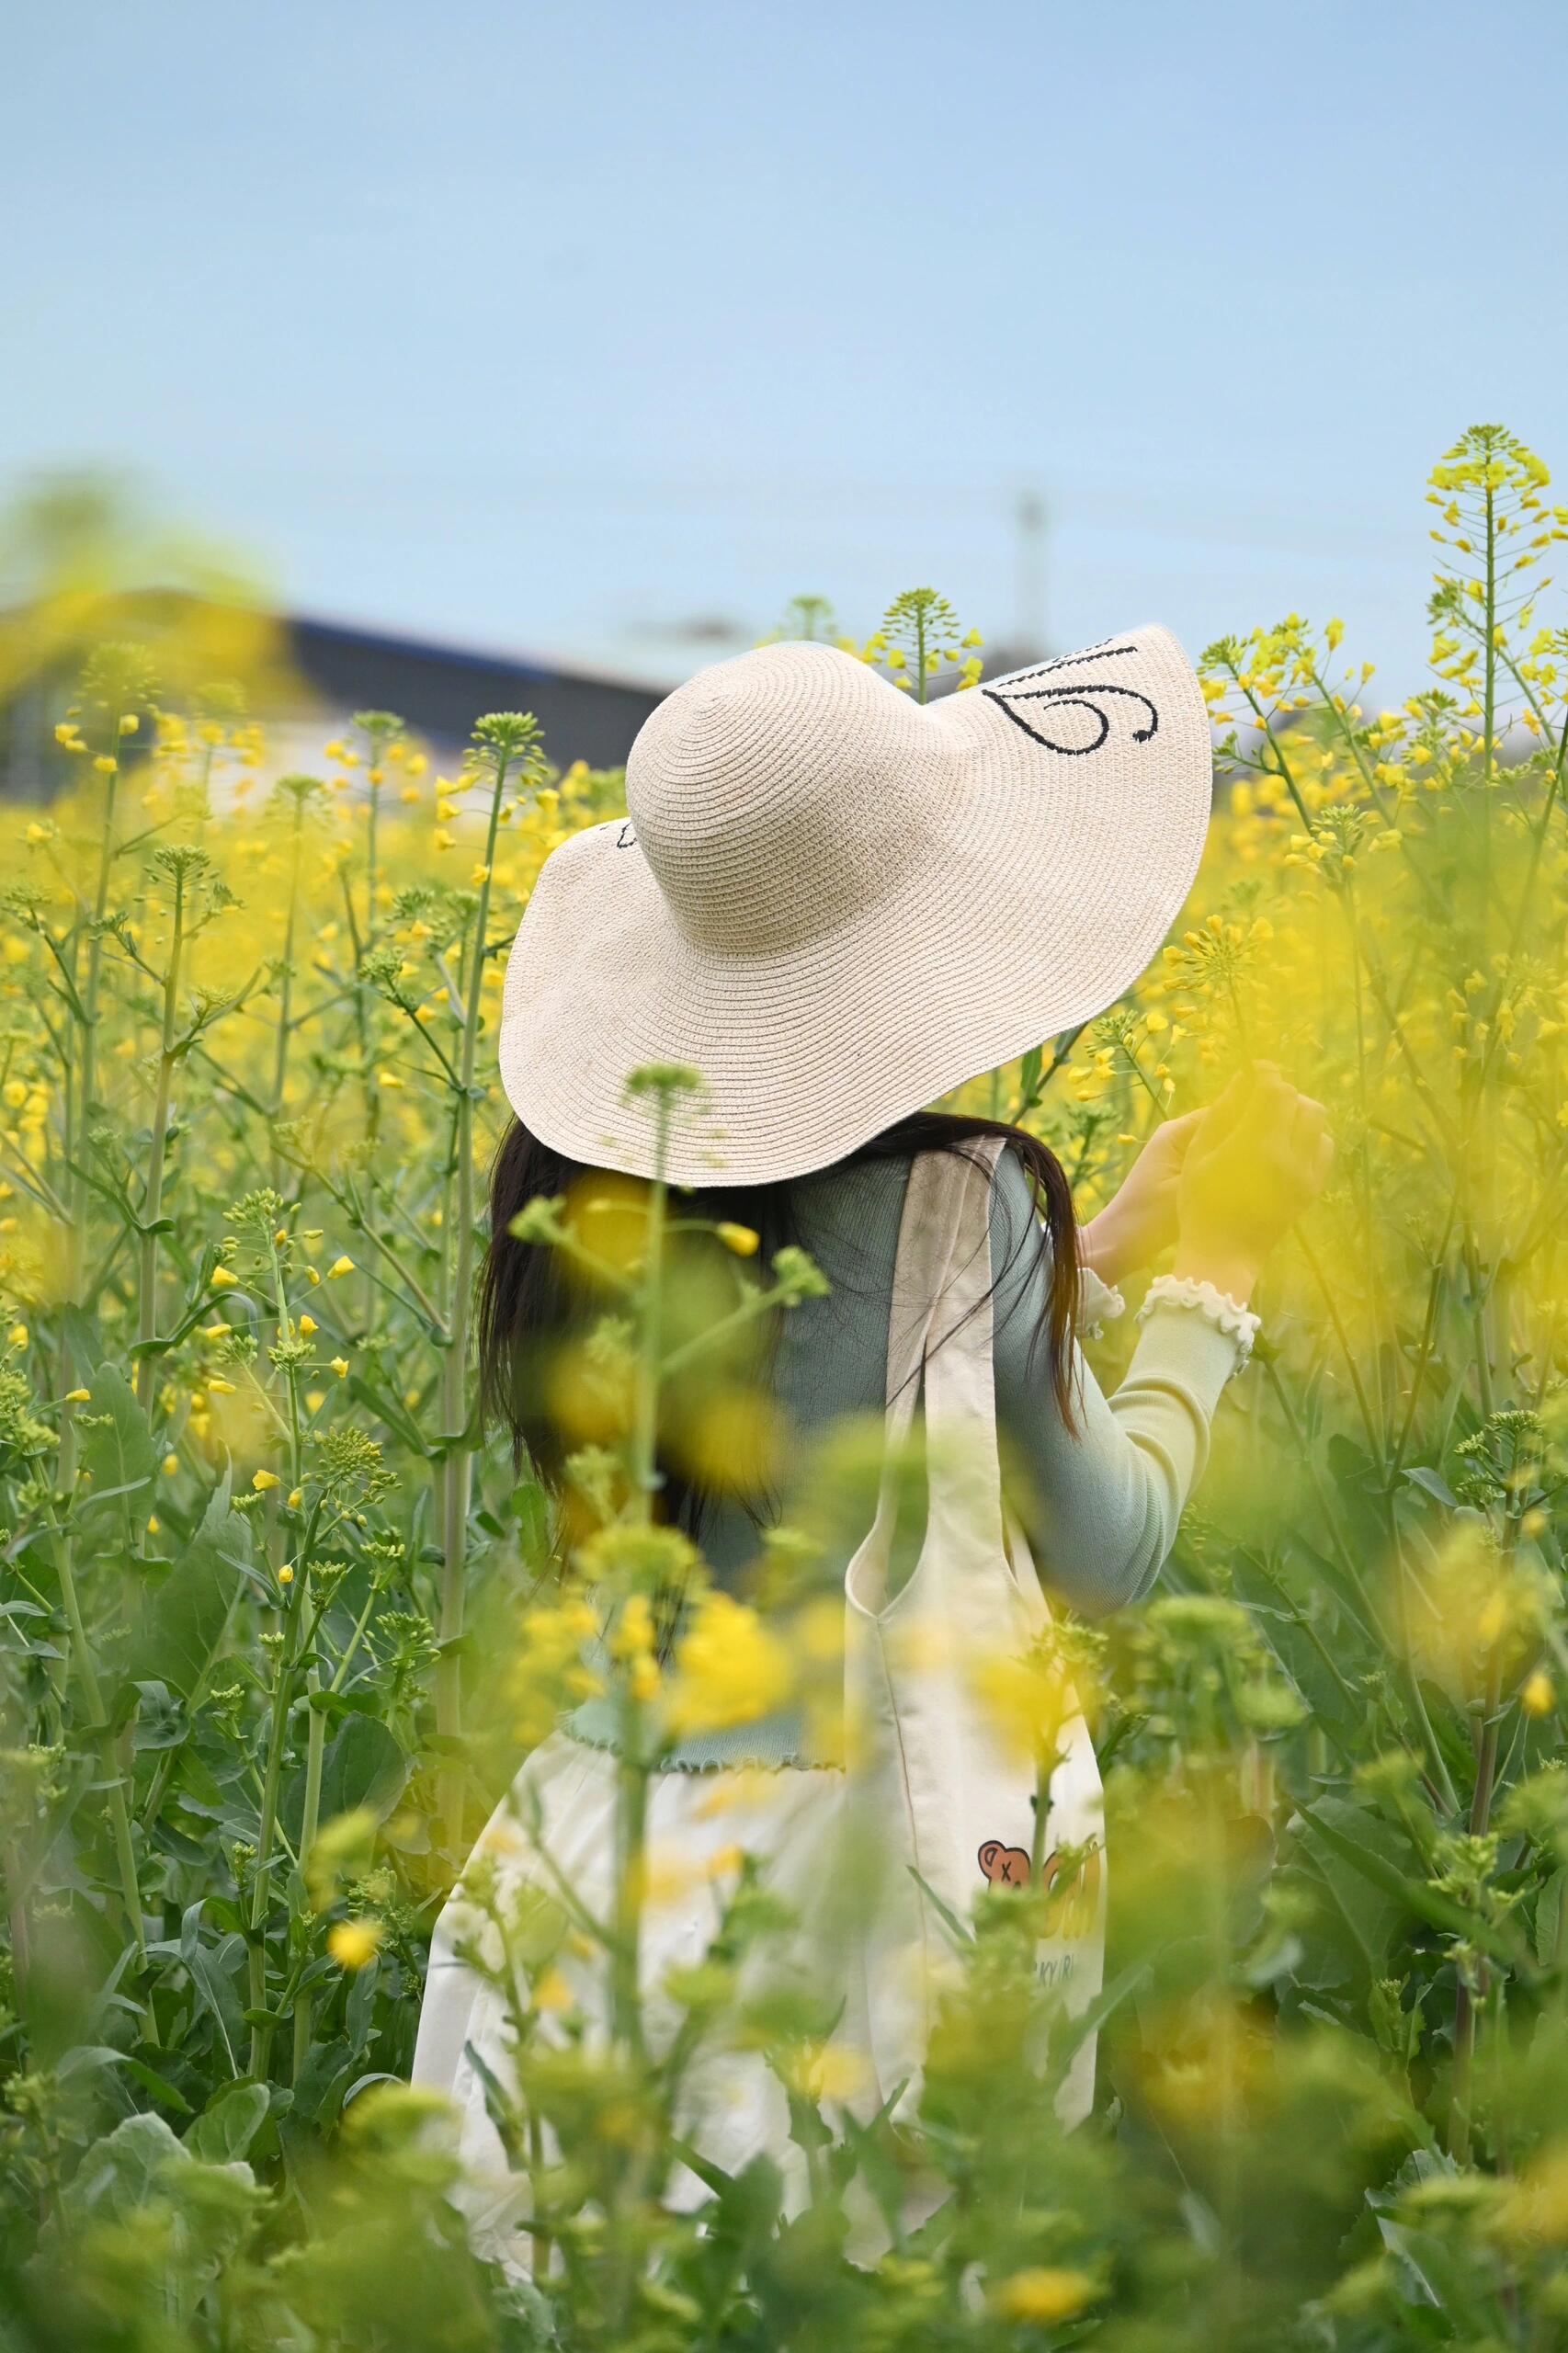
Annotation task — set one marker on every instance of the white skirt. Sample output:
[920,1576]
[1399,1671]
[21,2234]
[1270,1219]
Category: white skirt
[731,2106]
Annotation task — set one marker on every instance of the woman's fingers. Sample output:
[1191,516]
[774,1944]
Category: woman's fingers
[1224,1113]
[1307,1125]
[1175,1136]
[1270,1108]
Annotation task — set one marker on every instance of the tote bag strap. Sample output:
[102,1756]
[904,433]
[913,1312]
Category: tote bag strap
[939,1334]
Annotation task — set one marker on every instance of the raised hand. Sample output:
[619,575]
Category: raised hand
[1259,1157]
[1140,1221]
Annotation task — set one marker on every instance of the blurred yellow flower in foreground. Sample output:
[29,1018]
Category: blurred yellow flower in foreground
[1029,1699]
[833,2072]
[353,1944]
[1043,2294]
[1539,1695]
[1534,2207]
[729,1669]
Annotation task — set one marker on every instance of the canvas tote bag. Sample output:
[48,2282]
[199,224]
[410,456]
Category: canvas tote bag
[950,1804]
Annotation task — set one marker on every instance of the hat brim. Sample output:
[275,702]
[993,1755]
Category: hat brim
[1035,905]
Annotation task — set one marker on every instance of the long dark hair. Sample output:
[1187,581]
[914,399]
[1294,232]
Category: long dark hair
[527,1308]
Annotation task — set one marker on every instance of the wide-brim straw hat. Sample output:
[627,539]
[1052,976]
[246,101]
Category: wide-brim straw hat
[838,904]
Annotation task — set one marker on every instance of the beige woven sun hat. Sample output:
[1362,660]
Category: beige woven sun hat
[837,905]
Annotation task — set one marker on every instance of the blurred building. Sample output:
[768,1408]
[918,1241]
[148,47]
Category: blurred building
[441,689]
[305,679]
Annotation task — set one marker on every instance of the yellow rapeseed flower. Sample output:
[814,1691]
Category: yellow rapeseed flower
[353,1944]
[344,1266]
[263,1480]
[730,1669]
[1044,2294]
[552,1991]
[78,1396]
[741,1239]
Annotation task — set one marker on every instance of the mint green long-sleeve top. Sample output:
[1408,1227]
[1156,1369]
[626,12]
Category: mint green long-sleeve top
[1099,1504]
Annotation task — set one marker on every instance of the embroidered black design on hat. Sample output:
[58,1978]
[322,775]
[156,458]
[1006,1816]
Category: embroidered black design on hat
[625,838]
[1078,697]
[1103,652]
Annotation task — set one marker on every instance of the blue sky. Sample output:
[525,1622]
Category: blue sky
[568,327]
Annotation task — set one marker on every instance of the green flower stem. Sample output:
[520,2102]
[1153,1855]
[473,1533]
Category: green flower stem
[1364,1160]
[81,1660]
[81,1080]
[1489,713]
[261,1889]
[1424,1353]
[630,1841]
[310,1821]
[631,1778]
[1331,1305]
[286,992]
[717,1335]
[1480,1343]
[78,1104]
[1459,2113]
[153,1201]
[645,1430]
[91,998]
[458,1467]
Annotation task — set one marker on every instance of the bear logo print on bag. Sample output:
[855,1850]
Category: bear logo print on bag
[1077,1888]
[1005,1865]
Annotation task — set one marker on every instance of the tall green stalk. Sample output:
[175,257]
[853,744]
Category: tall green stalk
[153,1195]
[505,745]
[299,789]
[90,1001]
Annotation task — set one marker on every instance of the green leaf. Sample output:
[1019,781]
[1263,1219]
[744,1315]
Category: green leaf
[364,1766]
[1431,1484]
[84,2056]
[117,1453]
[229,2123]
[959,1930]
[186,1619]
[214,1987]
[529,1505]
[382,1402]
[1354,1847]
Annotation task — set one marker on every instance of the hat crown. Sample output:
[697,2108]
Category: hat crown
[776,795]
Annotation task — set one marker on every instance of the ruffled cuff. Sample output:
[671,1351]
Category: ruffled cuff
[1238,1324]
[1099,1303]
